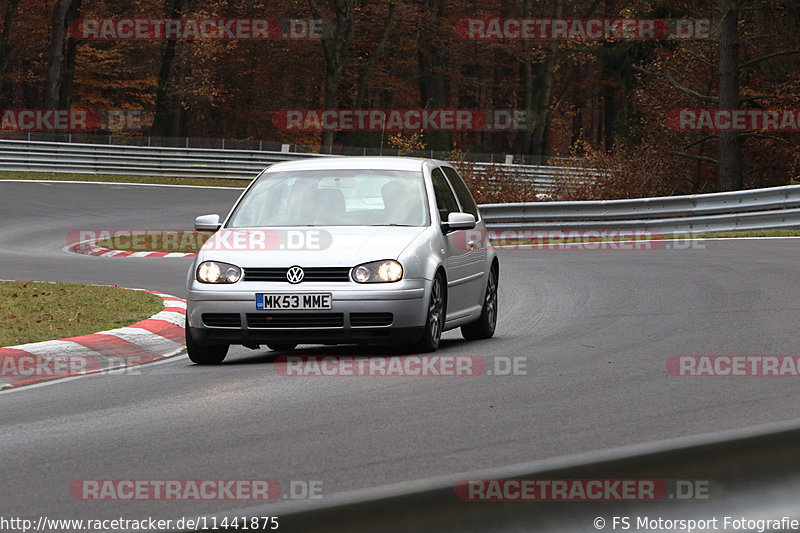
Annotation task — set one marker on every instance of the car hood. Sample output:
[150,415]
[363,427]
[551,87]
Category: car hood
[308,246]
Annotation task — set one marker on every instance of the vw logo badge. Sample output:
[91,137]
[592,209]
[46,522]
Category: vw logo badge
[295,274]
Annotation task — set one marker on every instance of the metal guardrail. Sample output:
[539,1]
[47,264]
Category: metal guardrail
[126,139]
[754,209]
[771,208]
[137,160]
[39,156]
[544,178]
[749,473]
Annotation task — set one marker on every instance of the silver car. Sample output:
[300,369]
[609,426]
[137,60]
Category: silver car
[344,250]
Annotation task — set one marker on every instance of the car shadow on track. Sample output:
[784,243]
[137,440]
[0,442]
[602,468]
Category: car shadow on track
[264,356]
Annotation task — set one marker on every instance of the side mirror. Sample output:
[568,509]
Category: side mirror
[456,221]
[207,223]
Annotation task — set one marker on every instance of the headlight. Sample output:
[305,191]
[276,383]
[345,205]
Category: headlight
[216,272]
[378,272]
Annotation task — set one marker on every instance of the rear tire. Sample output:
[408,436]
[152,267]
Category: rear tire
[204,355]
[434,323]
[484,327]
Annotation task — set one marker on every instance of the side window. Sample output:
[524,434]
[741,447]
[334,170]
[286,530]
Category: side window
[464,197]
[445,200]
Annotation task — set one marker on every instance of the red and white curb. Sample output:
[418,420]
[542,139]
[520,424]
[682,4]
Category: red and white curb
[91,248]
[159,336]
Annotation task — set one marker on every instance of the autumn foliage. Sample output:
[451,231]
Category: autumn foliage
[602,102]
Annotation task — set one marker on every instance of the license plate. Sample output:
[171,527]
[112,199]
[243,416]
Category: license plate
[273,302]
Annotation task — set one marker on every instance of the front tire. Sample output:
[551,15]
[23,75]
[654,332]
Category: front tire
[434,324]
[204,355]
[484,327]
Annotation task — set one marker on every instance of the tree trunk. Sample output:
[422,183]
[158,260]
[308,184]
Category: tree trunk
[362,85]
[524,136]
[544,95]
[68,69]
[537,81]
[169,108]
[434,86]
[609,116]
[57,54]
[5,45]
[730,142]
[336,48]
[372,60]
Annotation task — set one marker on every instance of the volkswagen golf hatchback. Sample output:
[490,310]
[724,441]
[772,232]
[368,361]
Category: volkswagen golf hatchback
[343,250]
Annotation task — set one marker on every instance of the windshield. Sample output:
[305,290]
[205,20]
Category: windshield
[334,198]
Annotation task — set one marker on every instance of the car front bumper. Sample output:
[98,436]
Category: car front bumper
[369,313]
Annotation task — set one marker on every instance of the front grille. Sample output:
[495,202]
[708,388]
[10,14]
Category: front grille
[337,274]
[371,319]
[222,320]
[295,320]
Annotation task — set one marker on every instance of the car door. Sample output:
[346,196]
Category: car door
[474,241]
[463,267]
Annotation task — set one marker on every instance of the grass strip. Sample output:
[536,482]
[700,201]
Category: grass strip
[41,311]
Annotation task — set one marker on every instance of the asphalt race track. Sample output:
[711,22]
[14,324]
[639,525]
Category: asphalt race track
[596,329]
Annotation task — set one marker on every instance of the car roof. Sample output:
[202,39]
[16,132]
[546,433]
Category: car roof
[345,162]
